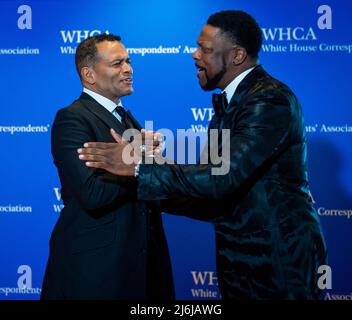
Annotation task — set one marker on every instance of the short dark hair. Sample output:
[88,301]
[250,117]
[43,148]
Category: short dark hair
[240,28]
[86,52]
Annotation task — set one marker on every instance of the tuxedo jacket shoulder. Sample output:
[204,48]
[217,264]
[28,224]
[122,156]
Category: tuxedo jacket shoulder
[264,119]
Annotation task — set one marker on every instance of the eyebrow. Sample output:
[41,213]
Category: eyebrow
[120,58]
[202,42]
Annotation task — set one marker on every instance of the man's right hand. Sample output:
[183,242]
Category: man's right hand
[117,158]
[121,157]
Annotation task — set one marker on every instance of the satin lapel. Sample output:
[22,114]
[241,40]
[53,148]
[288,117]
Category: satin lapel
[246,84]
[103,114]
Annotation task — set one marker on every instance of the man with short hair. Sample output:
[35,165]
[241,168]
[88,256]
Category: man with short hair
[105,244]
[269,242]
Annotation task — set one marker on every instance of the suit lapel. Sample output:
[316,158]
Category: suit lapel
[99,111]
[247,84]
[134,123]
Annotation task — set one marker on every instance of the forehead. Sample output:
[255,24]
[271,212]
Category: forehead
[209,34]
[111,49]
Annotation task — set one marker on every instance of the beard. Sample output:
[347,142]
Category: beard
[213,82]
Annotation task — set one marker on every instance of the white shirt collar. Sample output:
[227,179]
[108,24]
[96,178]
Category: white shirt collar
[105,102]
[232,86]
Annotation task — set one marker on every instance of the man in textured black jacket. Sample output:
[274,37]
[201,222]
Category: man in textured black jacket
[106,244]
[269,242]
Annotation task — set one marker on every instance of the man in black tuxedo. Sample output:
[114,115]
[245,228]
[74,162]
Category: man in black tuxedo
[269,240]
[105,244]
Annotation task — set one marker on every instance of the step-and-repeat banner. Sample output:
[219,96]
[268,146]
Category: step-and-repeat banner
[307,45]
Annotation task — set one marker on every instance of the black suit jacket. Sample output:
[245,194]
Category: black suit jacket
[105,244]
[268,237]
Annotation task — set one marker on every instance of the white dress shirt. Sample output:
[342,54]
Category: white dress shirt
[232,86]
[105,102]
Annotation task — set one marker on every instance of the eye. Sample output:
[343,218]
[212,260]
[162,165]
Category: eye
[206,50]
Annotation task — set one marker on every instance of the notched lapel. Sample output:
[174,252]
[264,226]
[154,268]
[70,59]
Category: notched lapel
[135,123]
[103,114]
[246,84]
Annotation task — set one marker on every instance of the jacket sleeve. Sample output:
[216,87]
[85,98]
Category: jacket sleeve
[259,135]
[204,210]
[93,188]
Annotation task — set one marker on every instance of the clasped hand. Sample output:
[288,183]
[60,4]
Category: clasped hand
[121,157]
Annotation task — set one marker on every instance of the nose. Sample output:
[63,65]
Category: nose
[196,54]
[127,68]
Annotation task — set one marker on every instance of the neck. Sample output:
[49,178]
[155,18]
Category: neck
[246,67]
[96,90]
[236,71]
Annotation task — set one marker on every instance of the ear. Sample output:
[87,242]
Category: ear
[88,75]
[240,55]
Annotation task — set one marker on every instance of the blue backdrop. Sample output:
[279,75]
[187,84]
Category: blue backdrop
[304,46]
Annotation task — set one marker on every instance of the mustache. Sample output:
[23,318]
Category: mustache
[199,67]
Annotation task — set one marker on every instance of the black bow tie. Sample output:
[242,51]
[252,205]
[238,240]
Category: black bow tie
[219,103]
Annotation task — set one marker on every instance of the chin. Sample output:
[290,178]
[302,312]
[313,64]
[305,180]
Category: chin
[203,85]
[207,87]
[129,92]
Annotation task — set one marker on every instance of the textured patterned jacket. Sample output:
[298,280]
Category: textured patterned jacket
[269,240]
